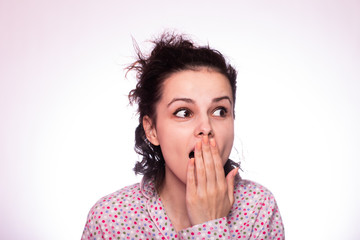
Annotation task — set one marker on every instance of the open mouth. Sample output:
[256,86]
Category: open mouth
[191,154]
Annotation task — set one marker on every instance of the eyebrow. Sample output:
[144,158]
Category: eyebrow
[222,98]
[189,100]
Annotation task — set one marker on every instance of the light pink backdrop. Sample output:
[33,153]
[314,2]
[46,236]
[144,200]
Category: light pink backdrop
[66,132]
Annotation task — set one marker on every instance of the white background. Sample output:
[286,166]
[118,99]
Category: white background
[66,130]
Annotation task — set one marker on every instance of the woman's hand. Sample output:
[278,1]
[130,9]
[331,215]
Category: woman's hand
[209,195]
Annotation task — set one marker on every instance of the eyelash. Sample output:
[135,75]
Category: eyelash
[189,113]
[222,109]
[182,109]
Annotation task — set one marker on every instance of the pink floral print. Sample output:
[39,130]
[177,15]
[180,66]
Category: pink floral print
[136,212]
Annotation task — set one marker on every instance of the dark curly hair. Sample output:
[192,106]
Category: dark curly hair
[172,53]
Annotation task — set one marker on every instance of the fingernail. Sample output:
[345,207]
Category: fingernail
[205,139]
[212,142]
[198,145]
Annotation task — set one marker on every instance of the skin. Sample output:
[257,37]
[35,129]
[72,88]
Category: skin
[195,113]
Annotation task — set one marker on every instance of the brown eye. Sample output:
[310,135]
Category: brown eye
[182,113]
[220,112]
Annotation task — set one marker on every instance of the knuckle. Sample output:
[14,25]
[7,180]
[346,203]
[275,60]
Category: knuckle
[200,171]
[190,200]
[212,192]
[218,163]
[208,165]
[201,196]
[222,189]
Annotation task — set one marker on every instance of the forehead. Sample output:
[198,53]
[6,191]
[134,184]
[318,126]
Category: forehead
[199,83]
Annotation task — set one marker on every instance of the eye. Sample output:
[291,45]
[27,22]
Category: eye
[220,112]
[182,113]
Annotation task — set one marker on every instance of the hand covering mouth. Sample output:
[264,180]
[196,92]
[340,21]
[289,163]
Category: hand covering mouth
[191,154]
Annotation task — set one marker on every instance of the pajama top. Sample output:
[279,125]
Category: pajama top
[136,212]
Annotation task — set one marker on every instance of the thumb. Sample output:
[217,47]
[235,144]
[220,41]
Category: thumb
[230,179]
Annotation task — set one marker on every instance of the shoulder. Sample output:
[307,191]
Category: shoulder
[255,211]
[112,210]
[247,187]
[128,195]
[247,192]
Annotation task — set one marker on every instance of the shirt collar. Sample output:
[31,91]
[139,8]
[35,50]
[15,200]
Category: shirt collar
[147,188]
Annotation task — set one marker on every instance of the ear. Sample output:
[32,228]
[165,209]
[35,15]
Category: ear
[150,130]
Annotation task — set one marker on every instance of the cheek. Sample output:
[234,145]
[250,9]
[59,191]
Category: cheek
[173,147]
[227,140]
[175,164]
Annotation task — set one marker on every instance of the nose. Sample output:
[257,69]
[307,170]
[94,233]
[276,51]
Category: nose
[204,127]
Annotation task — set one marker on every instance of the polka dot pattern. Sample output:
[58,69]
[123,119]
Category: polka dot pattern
[136,212]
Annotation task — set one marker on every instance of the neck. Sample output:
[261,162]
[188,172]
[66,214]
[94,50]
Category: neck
[173,196]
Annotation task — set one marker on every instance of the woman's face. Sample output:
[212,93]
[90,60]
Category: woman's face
[193,103]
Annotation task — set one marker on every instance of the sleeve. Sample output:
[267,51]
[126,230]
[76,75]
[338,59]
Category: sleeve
[214,229]
[263,222]
[92,229]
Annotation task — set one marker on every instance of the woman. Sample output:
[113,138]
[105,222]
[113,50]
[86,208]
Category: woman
[190,189]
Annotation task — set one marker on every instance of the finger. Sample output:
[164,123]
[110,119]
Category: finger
[199,169]
[219,168]
[208,163]
[230,179]
[190,179]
